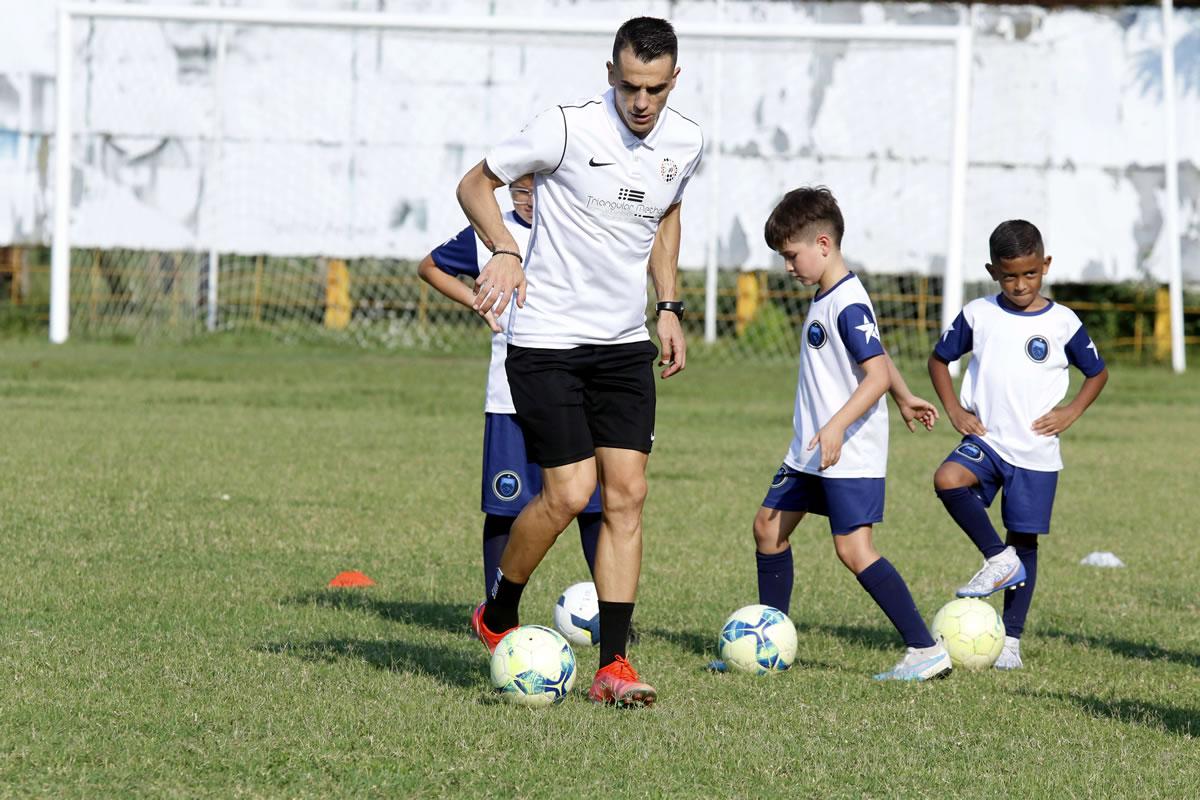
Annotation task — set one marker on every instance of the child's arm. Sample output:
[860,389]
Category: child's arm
[911,407]
[874,383]
[1059,419]
[453,288]
[963,421]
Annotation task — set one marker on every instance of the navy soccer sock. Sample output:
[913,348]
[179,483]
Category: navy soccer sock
[890,593]
[589,534]
[500,613]
[495,537]
[614,630]
[775,577]
[968,511]
[1017,601]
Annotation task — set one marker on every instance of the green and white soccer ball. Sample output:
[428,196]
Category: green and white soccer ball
[972,631]
[533,666]
[758,639]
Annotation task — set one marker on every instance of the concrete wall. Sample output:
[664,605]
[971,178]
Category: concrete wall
[350,144]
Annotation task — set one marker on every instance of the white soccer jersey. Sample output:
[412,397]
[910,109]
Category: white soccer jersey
[839,335]
[601,192]
[1018,372]
[466,254]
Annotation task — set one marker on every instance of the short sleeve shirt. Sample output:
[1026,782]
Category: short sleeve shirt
[465,254]
[1018,372]
[601,192]
[840,334]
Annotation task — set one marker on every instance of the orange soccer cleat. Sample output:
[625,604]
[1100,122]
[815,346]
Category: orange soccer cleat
[618,683]
[489,639]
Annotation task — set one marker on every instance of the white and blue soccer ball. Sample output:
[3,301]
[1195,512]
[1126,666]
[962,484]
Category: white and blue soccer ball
[577,614]
[972,631]
[758,639]
[533,666]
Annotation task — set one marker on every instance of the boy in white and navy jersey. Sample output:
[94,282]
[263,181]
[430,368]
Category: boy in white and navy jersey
[837,461]
[510,479]
[1021,345]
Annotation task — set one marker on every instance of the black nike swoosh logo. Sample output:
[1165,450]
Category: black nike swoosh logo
[594,163]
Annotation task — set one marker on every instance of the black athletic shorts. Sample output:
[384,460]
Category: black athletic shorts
[569,402]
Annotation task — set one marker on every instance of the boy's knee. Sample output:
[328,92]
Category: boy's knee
[951,476]
[767,537]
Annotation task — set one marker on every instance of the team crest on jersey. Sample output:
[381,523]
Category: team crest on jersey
[780,478]
[668,169]
[506,485]
[816,335]
[1037,348]
[970,450]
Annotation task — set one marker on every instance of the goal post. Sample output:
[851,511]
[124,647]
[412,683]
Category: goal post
[256,246]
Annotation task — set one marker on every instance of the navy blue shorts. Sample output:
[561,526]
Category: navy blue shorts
[850,503]
[510,479]
[1028,494]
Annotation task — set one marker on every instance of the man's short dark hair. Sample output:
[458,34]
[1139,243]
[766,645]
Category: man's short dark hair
[802,213]
[1014,239]
[648,37]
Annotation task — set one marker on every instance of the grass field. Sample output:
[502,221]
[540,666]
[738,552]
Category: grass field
[171,517]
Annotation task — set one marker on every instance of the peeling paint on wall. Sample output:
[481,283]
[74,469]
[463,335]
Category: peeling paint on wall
[351,143]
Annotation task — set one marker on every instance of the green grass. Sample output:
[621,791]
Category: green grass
[157,639]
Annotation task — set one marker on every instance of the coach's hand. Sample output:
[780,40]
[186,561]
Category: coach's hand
[672,345]
[501,280]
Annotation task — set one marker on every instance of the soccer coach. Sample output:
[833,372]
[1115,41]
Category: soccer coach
[609,179]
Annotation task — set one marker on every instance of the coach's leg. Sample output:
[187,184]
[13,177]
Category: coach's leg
[565,493]
[619,550]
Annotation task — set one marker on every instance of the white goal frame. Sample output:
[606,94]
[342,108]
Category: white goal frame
[959,36]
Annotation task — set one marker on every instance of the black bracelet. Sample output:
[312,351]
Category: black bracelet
[512,253]
[674,306]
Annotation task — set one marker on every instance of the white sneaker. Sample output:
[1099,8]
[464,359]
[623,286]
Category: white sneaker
[1010,656]
[1002,571]
[920,664]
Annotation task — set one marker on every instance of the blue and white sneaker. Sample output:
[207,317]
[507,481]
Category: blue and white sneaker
[1010,656]
[920,664]
[1002,571]
[717,665]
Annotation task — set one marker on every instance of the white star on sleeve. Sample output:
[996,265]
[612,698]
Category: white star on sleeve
[947,332]
[1092,346]
[868,329]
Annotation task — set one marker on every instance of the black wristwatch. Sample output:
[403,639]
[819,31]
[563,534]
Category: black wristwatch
[674,306]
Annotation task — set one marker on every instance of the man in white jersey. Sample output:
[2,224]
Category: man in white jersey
[610,174]
[510,479]
[837,462]
[1021,344]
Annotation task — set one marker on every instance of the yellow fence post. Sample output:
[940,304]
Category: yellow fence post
[337,295]
[1162,324]
[749,296]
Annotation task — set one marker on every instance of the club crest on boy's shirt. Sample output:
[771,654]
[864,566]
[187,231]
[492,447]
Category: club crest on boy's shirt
[1037,348]
[816,335]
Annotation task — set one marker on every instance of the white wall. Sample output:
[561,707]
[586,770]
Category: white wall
[351,144]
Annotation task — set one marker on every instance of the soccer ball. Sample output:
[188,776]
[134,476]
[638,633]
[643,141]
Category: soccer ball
[533,666]
[972,632]
[577,614]
[758,639]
